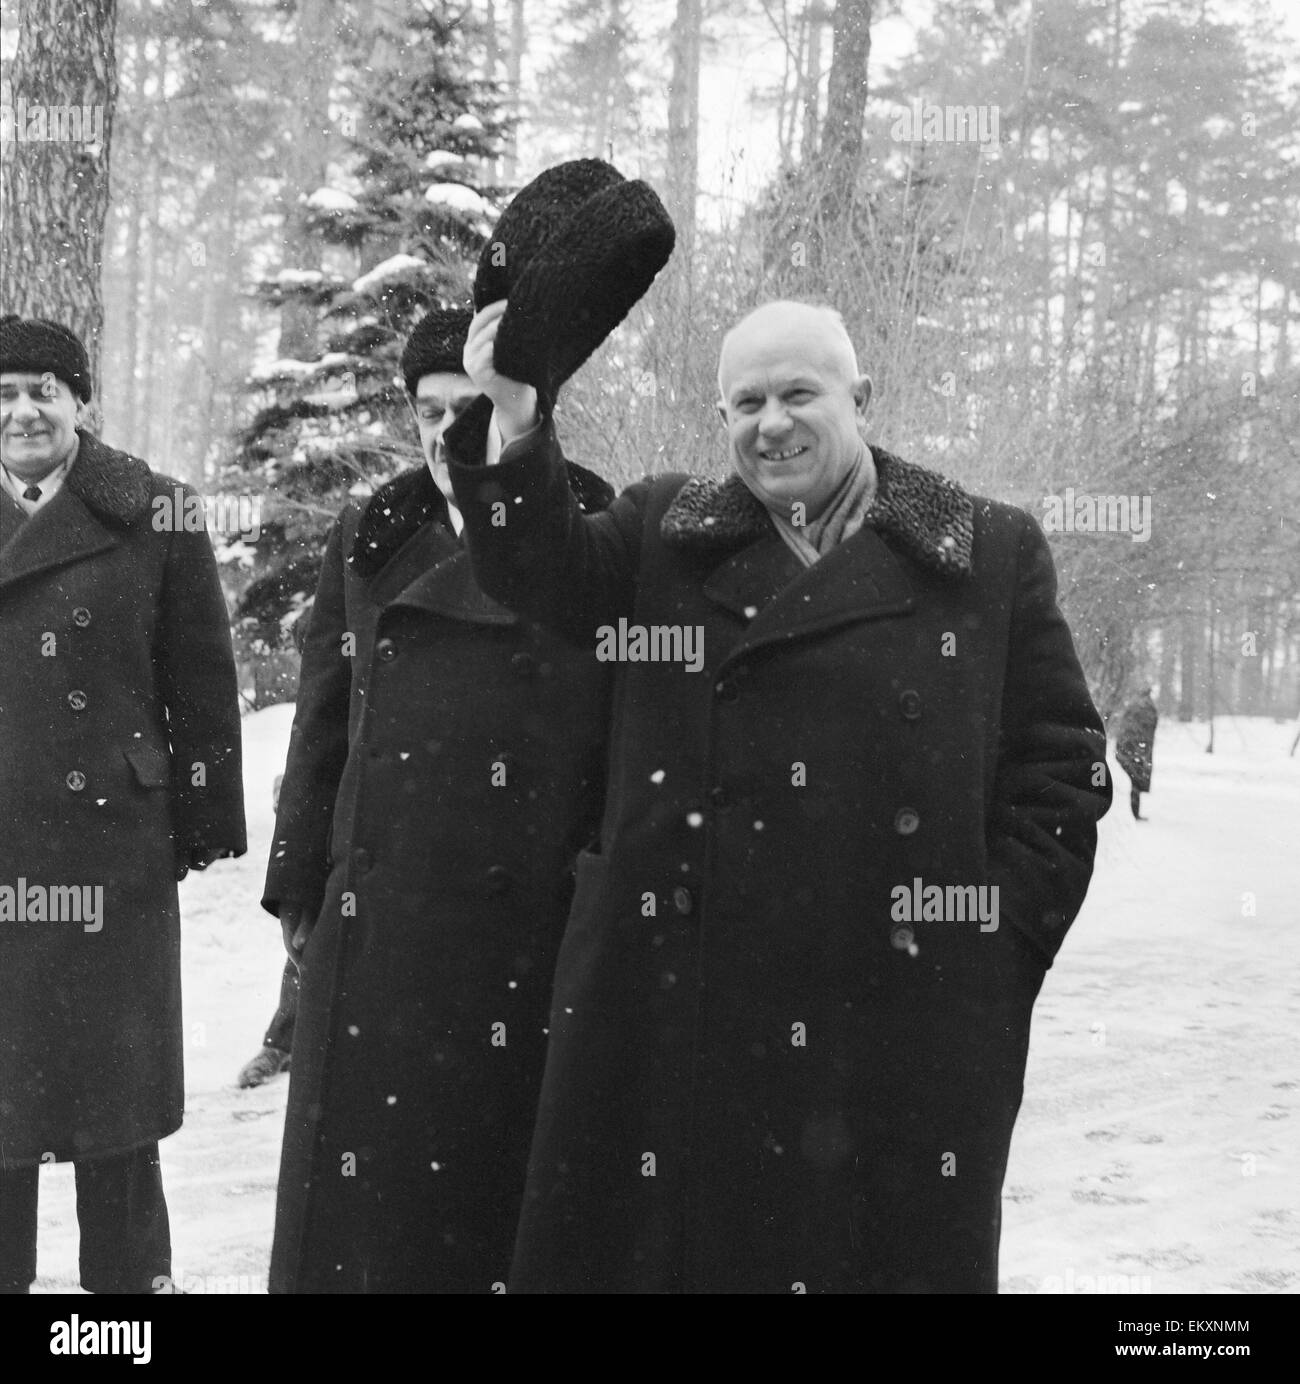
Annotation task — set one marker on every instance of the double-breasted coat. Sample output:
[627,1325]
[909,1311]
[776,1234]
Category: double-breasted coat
[444,769]
[776,1064]
[119,755]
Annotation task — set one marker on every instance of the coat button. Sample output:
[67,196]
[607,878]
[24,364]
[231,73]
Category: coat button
[362,860]
[386,650]
[76,780]
[910,705]
[719,797]
[906,820]
[77,700]
[521,664]
[497,879]
[81,617]
[683,900]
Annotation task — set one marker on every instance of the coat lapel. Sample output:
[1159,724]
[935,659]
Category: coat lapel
[750,578]
[917,517]
[430,545]
[63,531]
[12,516]
[859,580]
[450,589]
[428,570]
[103,484]
[781,599]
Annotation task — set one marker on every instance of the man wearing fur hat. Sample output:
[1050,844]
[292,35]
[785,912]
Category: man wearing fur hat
[791,1009]
[445,767]
[119,772]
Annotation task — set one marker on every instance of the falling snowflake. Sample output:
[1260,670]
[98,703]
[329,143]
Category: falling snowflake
[657,776]
[694,819]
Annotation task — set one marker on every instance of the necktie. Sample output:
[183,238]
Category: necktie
[33,492]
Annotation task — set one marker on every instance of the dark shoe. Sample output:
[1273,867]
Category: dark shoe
[268,1063]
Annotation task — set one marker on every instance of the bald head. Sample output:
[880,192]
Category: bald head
[819,330]
[794,405]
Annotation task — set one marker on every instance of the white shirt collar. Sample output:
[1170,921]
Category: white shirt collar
[49,485]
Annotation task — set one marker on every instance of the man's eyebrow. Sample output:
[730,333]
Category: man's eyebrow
[798,382]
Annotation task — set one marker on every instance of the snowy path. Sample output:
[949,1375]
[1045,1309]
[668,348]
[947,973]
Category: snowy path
[1156,1150]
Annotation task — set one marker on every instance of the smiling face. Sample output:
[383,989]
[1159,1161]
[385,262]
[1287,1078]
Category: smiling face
[793,403]
[440,398]
[39,414]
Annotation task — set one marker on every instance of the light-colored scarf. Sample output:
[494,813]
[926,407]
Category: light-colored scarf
[841,519]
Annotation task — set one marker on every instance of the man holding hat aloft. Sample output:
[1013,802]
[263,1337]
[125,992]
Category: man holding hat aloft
[791,1010]
[119,772]
[445,767]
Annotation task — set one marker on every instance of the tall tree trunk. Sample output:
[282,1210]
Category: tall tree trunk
[514,84]
[491,49]
[846,99]
[1168,654]
[1191,638]
[129,402]
[147,380]
[683,124]
[54,177]
[305,166]
[810,80]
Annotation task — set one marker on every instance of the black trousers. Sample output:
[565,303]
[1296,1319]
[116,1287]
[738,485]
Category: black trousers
[280,1033]
[125,1234]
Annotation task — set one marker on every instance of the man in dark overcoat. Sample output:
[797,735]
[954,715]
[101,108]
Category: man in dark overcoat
[119,772]
[1135,747]
[445,767]
[854,781]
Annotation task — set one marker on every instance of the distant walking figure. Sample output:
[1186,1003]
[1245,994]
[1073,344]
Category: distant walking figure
[1134,745]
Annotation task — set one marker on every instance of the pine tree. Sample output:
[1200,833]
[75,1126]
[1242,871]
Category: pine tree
[401,230]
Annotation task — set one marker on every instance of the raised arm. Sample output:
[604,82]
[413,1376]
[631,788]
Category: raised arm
[532,547]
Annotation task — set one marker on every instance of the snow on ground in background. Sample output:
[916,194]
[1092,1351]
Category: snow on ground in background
[1156,1147]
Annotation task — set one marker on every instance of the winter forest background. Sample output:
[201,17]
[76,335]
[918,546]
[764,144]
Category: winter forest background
[1063,234]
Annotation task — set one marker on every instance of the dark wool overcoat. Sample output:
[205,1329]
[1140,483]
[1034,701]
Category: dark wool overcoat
[766,1073]
[1135,743]
[444,769]
[119,750]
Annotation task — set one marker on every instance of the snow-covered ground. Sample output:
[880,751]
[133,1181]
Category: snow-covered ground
[1156,1150]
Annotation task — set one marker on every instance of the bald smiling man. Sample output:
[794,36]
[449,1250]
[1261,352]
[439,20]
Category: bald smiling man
[791,1010]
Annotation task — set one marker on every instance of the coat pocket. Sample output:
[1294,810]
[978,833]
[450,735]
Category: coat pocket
[152,766]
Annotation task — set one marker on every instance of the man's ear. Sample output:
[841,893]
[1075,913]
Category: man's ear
[88,416]
[862,395]
[722,411]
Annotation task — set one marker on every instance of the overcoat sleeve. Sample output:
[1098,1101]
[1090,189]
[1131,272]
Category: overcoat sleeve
[1052,784]
[531,546]
[195,664]
[318,746]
